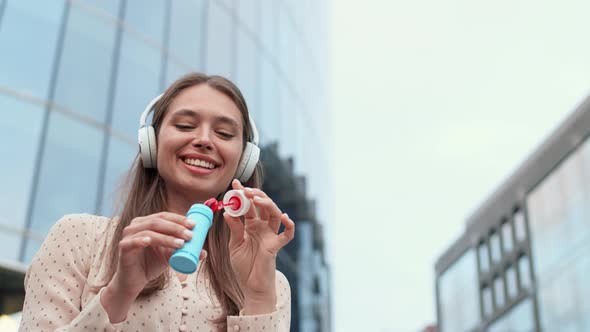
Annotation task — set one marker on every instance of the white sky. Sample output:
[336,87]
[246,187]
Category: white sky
[434,103]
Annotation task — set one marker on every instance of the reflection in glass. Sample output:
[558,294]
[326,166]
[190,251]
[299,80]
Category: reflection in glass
[16,179]
[458,288]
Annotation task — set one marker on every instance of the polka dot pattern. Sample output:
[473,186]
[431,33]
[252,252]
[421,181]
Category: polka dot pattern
[59,296]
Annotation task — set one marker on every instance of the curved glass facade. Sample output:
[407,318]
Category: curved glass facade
[76,75]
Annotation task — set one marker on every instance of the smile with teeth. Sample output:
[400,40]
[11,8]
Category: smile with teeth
[199,163]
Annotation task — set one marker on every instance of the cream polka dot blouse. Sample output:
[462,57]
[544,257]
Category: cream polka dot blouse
[59,296]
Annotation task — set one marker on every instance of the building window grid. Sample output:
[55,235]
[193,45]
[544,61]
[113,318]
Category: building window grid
[510,257]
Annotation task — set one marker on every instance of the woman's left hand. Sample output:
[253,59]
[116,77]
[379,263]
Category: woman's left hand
[253,247]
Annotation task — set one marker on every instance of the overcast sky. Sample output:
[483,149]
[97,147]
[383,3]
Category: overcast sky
[434,104]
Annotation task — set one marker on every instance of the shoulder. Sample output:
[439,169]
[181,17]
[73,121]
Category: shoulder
[76,223]
[282,284]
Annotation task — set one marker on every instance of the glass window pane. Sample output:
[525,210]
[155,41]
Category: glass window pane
[186,33]
[220,39]
[483,257]
[507,236]
[499,291]
[248,11]
[512,283]
[519,225]
[86,56]
[519,319]
[22,126]
[119,159]
[268,26]
[495,247]
[459,300]
[174,71]
[269,102]
[28,37]
[525,272]
[488,303]
[10,242]
[147,17]
[559,223]
[247,71]
[69,172]
[110,7]
[137,83]
[31,249]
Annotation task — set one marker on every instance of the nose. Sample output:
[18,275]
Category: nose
[202,139]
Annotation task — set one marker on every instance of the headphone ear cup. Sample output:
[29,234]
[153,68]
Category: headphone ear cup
[147,146]
[248,162]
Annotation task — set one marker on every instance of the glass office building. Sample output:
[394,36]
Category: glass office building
[75,76]
[523,260]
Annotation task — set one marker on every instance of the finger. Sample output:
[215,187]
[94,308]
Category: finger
[161,240]
[268,210]
[130,244]
[159,225]
[236,184]
[169,216]
[289,231]
[253,192]
[236,230]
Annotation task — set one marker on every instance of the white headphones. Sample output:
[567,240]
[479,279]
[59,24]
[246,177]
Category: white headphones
[146,137]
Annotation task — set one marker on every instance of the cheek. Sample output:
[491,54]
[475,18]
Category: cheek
[234,154]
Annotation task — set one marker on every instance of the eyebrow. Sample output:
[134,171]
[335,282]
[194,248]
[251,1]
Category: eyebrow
[191,113]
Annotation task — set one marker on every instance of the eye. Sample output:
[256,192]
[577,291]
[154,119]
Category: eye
[184,127]
[225,135]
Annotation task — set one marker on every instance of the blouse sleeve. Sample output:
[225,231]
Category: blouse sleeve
[56,279]
[276,321]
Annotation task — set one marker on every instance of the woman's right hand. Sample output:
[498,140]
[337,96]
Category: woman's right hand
[144,250]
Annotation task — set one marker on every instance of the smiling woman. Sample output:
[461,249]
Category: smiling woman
[113,273]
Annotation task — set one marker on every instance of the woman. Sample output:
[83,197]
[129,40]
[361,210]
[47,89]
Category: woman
[99,274]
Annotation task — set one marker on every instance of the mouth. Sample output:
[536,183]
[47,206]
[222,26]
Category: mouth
[199,163]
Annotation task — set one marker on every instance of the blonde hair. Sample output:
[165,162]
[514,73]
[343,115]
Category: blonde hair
[145,194]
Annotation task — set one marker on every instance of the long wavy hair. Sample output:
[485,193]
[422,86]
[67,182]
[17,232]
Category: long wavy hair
[144,193]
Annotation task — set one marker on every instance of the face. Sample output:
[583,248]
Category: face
[199,143]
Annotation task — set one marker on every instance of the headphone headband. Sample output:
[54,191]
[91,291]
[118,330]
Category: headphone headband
[150,108]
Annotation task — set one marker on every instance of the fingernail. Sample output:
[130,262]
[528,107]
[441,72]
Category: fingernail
[190,222]
[248,189]
[286,215]
[179,242]
[188,234]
